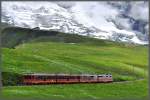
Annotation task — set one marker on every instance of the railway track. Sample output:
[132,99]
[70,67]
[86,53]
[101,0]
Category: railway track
[129,81]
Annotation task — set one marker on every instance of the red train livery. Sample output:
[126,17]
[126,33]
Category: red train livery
[30,79]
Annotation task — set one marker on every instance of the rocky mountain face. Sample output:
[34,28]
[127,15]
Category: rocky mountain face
[70,19]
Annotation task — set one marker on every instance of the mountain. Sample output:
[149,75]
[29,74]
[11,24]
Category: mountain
[79,18]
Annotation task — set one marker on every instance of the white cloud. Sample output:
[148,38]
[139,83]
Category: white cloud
[147,29]
[139,11]
[124,23]
[95,13]
[65,4]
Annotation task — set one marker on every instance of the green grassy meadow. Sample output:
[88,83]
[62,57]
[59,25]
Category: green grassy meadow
[137,90]
[124,63]
[127,63]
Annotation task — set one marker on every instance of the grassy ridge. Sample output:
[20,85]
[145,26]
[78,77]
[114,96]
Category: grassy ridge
[13,36]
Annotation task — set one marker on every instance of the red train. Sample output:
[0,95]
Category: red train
[30,79]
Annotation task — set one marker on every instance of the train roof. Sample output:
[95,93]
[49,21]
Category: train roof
[45,74]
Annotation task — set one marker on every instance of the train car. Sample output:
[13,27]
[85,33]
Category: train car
[105,78]
[29,79]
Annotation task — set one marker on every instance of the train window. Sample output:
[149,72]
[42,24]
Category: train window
[72,77]
[44,78]
[39,77]
[58,77]
[76,77]
[100,76]
[51,77]
[30,77]
[62,77]
[33,77]
[27,77]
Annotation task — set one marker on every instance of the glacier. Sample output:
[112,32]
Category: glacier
[94,19]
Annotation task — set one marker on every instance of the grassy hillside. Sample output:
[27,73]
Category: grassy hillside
[129,91]
[3,26]
[123,62]
[13,36]
[54,52]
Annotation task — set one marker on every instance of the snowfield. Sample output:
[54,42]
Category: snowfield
[94,19]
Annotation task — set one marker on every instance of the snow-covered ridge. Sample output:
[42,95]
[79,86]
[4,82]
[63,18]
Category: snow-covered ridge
[80,19]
